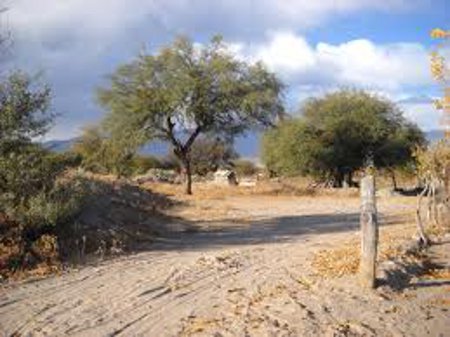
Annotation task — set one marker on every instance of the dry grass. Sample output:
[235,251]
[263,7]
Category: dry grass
[213,203]
[276,187]
[337,262]
[344,259]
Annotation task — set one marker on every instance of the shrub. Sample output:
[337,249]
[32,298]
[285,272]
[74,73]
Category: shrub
[141,164]
[55,207]
[25,173]
[101,153]
[245,167]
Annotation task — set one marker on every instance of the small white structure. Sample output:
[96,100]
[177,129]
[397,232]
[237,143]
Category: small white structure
[247,182]
[225,177]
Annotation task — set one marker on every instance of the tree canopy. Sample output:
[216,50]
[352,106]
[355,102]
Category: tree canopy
[337,133]
[184,91]
[24,112]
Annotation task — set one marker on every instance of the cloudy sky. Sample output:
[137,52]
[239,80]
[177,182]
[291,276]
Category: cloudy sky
[315,46]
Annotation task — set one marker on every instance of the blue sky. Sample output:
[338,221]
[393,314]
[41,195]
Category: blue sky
[314,46]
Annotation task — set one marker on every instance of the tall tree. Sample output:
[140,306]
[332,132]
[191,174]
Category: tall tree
[184,91]
[24,112]
[337,133]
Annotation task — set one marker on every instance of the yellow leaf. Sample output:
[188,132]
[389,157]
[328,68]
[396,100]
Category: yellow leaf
[438,33]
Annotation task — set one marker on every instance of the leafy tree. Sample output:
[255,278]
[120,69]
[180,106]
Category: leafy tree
[397,153]
[23,115]
[184,91]
[337,133]
[103,154]
[24,111]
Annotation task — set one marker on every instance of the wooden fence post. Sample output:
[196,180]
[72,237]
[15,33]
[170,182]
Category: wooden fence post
[369,232]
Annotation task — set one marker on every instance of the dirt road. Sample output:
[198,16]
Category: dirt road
[246,273]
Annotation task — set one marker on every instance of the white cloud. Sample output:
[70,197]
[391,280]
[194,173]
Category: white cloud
[103,18]
[354,63]
[384,66]
[287,53]
[397,71]
[424,114]
[43,18]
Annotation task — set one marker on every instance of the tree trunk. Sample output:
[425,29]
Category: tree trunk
[182,151]
[188,171]
[348,180]
[338,179]
[187,167]
[394,179]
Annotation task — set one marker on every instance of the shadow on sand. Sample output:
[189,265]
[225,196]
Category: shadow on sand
[204,235]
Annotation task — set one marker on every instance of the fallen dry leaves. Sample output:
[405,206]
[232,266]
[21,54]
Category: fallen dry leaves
[344,259]
[331,263]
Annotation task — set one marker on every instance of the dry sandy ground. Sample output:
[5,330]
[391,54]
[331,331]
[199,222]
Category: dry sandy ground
[245,272]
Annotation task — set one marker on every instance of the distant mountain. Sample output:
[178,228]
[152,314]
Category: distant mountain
[59,145]
[434,135]
[155,148]
[247,146]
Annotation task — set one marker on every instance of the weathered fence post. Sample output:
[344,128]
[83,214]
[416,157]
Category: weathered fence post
[369,232]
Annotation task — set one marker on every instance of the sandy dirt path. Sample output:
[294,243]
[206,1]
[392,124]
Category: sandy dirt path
[248,274]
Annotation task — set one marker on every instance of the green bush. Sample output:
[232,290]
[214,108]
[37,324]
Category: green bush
[141,164]
[55,207]
[67,159]
[33,192]
[244,167]
[25,173]
[101,153]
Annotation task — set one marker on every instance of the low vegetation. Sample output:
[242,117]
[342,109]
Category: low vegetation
[245,168]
